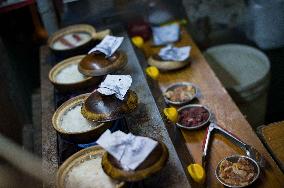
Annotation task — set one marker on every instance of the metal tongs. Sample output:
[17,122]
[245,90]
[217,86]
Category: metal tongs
[249,150]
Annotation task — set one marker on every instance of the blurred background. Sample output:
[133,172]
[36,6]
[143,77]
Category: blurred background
[26,25]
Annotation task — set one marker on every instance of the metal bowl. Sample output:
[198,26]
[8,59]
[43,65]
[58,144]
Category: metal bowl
[235,158]
[191,106]
[175,85]
[82,136]
[65,87]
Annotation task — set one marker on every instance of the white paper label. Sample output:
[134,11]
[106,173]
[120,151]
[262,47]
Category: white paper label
[165,34]
[115,84]
[174,54]
[108,45]
[128,149]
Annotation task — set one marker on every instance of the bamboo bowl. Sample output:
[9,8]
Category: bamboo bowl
[78,85]
[73,29]
[81,136]
[77,158]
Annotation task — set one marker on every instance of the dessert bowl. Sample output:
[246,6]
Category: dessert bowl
[71,125]
[65,76]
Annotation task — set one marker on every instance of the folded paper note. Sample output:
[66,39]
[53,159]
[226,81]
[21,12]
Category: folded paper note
[128,149]
[166,34]
[115,84]
[171,53]
[108,45]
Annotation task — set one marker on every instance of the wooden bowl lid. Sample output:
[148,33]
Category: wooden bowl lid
[153,163]
[77,158]
[94,132]
[96,64]
[103,108]
[157,61]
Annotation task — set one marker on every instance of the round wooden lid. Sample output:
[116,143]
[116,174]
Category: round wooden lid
[97,64]
[103,108]
[152,164]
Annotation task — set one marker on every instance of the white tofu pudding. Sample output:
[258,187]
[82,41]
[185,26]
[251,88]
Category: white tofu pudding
[71,40]
[89,174]
[69,74]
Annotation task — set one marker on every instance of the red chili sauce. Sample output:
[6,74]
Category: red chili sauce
[193,116]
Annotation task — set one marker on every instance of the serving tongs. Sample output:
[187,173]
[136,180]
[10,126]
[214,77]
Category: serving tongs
[248,149]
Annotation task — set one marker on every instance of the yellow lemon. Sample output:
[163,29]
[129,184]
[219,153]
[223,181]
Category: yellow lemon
[197,173]
[171,114]
[153,72]
[137,41]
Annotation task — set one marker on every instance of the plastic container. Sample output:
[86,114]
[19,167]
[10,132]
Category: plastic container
[244,71]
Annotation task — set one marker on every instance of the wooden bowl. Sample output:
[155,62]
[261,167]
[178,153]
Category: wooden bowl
[96,63]
[91,36]
[81,136]
[163,65]
[78,85]
[153,164]
[78,158]
[103,108]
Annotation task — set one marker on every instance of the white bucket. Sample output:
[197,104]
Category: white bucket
[244,71]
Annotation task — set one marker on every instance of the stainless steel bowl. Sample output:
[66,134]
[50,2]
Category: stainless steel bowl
[235,158]
[191,106]
[175,85]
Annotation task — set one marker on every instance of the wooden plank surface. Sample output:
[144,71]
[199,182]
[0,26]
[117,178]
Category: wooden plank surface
[273,137]
[227,114]
[49,137]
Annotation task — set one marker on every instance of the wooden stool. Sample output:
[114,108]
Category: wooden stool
[272,135]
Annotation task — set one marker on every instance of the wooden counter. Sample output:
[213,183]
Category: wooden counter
[147,121]
[227,114]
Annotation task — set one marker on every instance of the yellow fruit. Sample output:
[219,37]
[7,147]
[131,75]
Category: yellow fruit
[197,173]
[171,114]
[137,41]
[153,72]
